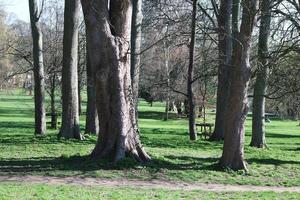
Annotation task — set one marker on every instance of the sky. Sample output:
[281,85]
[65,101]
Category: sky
[18,7]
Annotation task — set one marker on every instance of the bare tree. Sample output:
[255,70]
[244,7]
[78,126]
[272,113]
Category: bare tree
[190,90]
[108,25]
[225,53]
[70,113]
[39,91]
[233,149]
[136,43]
[258,121]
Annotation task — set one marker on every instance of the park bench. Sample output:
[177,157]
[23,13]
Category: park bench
[269,116]
[54,123]
[203,130]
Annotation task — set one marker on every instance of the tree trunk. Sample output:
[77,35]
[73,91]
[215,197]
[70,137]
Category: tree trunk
[190,89]
[70,117]
[53,109]
[236,113]
[258,121]
[136,43]
[167,59]
[225,53]
[39,82]
[92,123]
[108,43]
[79,98]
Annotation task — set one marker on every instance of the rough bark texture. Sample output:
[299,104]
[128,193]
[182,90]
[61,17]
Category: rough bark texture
[39,82]
[136,43]
[225,53]
[92,123]
[258,121]
[233,149]
[109,30]
[190,89]
[70,116]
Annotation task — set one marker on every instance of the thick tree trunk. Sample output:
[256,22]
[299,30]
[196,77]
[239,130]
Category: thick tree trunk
[136,43]
[70,117]
[258,121]
[190,89]
[236,113]
[39,82]
[225,53]
[92,123]
[109,29]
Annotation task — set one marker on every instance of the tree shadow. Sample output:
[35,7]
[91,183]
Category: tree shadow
[282,136]
[85,165]
[179,142]
[16,125]
[16,112]
[29,99]
[155,115]
[271,161]
[22,140]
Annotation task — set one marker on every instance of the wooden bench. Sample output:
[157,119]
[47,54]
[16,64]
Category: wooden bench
[53,123]
[203,130]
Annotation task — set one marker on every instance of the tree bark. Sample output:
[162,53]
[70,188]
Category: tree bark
[258,121]
[225,53]
[92,123]
[136,43]
[167,59]
[236,113]
[39,82]
[109,30]
[52,101]
[79,98]
[70,116]
[190,89]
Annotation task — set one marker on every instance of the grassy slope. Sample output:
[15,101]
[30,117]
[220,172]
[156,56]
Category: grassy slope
[174,156]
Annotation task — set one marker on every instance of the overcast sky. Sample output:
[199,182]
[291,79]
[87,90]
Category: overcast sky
[18,7]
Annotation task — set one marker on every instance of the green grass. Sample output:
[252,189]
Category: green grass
[41,192]
[174,156]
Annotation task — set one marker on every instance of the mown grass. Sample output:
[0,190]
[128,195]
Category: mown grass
[62,192]
[174,156]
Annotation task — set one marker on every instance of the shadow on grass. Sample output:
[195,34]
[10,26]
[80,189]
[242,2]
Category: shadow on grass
[31,139]
[282,136]
[84,164]
[155,115]
[16,125]
[271,161]
[25,99]
[16,112]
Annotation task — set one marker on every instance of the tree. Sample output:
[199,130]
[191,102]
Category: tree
[53,52]
[92,122]
[258,121]
[136,43]
[190,90]
[70,114]
[237,108]
[108,34]
[39,91]
[225,53]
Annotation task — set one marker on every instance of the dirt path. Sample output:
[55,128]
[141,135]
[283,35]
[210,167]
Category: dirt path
[143,184]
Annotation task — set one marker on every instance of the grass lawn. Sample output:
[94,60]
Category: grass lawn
[174,156]
[41,192]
